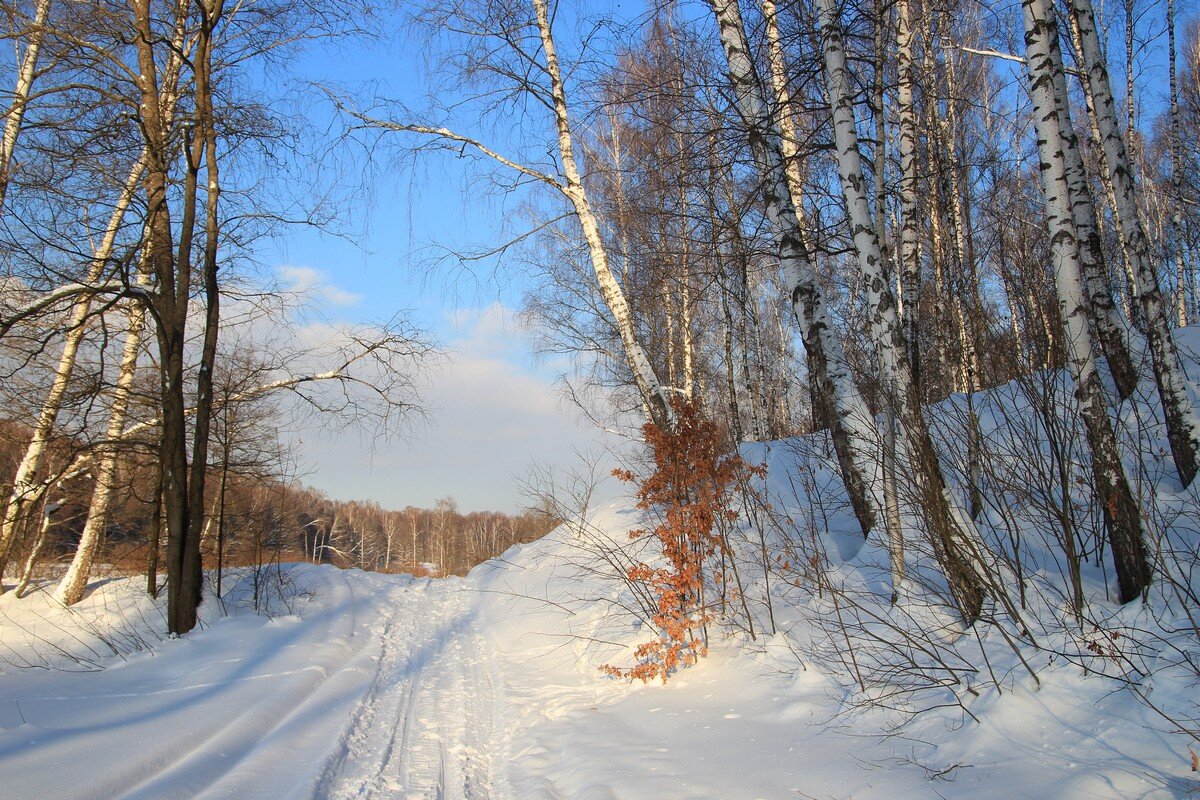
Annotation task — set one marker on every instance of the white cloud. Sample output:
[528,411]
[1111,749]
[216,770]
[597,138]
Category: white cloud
[492,417]
[491,331]
[314,282]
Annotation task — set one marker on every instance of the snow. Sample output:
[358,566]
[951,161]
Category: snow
[361,685]
[387,686]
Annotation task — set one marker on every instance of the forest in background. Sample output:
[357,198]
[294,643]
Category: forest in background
[256,519]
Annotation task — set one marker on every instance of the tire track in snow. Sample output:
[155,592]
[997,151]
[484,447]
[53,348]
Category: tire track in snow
[393,636]
[427,728]
[199,762]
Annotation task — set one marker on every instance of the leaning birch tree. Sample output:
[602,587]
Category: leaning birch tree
[852,427]
[1183,427]
[531,40]
[27,73]
[1122,516]
[26,490]
[957,549]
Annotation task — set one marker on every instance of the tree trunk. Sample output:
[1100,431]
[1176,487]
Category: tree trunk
[154,534]
[26,74]
[1121,514]
[35,552]
[1110,329]
[787,124]
[1183,427]
[25,489]
[204,146]
[170,306]
[74,582]
[853,429]
[658,408]
[956,549]
[1183,274]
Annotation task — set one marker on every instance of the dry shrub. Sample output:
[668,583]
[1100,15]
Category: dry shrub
[691,487]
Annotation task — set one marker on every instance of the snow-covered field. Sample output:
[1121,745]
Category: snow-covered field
[385,686]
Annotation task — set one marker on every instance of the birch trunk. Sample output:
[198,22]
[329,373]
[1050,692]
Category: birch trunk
[891,498]
[35,552]
[74,582]
[909,260]
[956,549]
[654,398]
[853,429]
[1183,427]
[26,490]
[938,382]
[1105,180]
[1130,84]
[909,281]
[787,123]
[15,117]
[969,290]
[1110,329]
[685,286]
[1182,273]
[1121,514]
[735,414]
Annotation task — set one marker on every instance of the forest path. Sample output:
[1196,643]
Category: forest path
[425,728]
[382,686]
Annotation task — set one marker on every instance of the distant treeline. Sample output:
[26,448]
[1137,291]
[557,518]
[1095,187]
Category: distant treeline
[253,517]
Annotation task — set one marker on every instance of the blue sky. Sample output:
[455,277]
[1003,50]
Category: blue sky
[494,408]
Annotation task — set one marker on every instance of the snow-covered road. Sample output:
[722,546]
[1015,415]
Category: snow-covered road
[385,688]
[488,688]
[426,726]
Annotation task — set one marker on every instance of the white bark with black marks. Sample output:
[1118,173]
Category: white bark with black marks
[74,582]
[853,428]
[1183,427]
[958,549]
[26,489]
[1121,514]
[26,73]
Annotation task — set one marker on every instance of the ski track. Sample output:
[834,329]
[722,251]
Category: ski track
[426,727]
[407,664]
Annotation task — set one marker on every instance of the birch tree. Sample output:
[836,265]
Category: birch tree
[27,71]
[71,588]
[1121,514]
[1183,427]
[957,550]
[25,491]
[531,41]
[26,488]
[852,427]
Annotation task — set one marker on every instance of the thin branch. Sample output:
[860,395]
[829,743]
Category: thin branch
[446,133]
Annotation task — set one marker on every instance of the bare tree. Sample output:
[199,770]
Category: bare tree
[1121,513]
[1183,427]
[852,426]
[958,550]
[530,40]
